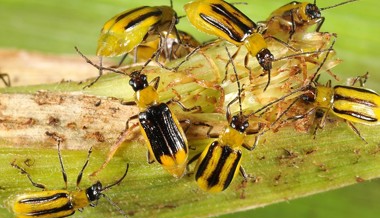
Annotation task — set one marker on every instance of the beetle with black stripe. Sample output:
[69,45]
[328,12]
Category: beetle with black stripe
[161,129]
[163,134]
[220,161]
[60,203]
[353,104]
[127,30]
[222,19]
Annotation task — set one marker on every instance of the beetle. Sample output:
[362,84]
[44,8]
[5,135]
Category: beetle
[353,104]
[220,161]
[60,203]
[296,17]
[222,19]
[127,30]
[162,132]
[219,18]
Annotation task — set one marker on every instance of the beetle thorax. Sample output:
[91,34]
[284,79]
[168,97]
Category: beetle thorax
[324,96]
[232,137]
[146,97]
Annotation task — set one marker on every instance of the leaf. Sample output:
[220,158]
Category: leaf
[357,45]
[281,168]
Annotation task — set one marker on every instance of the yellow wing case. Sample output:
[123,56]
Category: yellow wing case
[216,17]
[122,33]
[358,105]
[44,204]
[217,166]
[165,139]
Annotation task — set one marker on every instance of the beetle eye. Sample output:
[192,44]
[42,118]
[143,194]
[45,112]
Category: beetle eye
[313,11]
[246,124]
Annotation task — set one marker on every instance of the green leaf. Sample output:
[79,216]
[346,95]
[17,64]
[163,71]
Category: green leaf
[336,158]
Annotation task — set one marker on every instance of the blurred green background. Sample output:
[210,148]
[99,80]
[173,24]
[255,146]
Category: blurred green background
[57,26]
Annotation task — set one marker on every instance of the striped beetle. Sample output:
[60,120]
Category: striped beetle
[60,203]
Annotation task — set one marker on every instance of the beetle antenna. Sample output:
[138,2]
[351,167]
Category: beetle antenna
[339,4]
[118,181]
[238,3]
[121,211]
[323,62]
[64,175]
[59,140]
[180,17]
[237,80]
[97,66]
[79,178]
[304,53]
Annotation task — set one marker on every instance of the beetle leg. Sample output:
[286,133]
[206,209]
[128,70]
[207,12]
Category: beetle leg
[149,157]
[114,147]
[187,124]
[353,127]
[183,107]
[38,185]
[361,79]
[192,160]
[246,62]
[61,163]
[186,58]
[243,173]
[283,43]
[209,135]
[323,116]
[129,119]
[6,82]
[293,26]
[123,59]
[251,148]
[319,23]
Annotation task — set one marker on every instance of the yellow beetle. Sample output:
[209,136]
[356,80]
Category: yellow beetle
[219,18]
[296,17]
[220,161]
[127,30]
[59,203]
[163,134]
[353,104]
